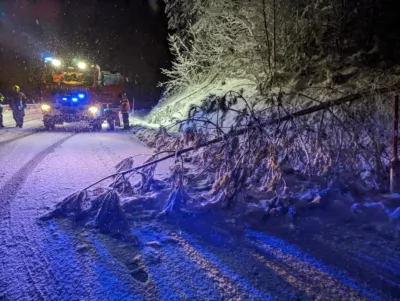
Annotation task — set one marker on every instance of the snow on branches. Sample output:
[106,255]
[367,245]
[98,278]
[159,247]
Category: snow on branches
[269,155]
[264,40]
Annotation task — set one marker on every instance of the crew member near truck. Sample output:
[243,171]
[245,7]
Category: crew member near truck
[1,110]
[18,105]
[125,108]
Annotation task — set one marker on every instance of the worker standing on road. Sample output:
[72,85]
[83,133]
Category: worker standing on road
[18,105]
[125,108]
[1,110]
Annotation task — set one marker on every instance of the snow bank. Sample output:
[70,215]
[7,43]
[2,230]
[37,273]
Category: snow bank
[177,107]
[321,84]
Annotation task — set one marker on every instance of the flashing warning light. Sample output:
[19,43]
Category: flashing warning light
[48,59]
[64,98]
[81,96]
[74,99]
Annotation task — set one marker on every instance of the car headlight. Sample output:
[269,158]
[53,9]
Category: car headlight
[93,110]
[45,107]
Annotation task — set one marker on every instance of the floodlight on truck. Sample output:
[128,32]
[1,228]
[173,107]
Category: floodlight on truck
[82,65]
[56,62]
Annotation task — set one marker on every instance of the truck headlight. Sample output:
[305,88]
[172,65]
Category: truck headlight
[93,110]
[45,107]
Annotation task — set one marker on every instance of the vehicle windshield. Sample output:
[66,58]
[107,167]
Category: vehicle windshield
[68,76]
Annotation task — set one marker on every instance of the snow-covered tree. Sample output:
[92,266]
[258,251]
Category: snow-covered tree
[181,15]
[262,40]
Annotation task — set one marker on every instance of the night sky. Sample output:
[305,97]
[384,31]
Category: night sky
[128,36]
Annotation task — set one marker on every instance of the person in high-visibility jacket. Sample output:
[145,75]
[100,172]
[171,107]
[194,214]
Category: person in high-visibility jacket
[18,105]
[125,108]
[1,110]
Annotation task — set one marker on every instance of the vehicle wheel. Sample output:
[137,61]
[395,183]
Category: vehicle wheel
[49,124]
[117,121]
[97,127]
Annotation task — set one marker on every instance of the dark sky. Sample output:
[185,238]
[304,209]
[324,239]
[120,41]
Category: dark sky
[128,36]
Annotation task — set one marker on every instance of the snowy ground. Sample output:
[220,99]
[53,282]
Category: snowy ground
[190,259]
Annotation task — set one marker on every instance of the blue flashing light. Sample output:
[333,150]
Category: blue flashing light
[64,98]
[48,59]
[74,99]
[81,96]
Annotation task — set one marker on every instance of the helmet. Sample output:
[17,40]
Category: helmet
[16,87]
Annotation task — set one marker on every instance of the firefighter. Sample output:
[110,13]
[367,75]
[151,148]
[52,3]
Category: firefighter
[1,110]
[18,105]
[125,108]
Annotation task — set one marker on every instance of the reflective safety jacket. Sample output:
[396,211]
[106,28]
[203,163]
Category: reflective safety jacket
[1,100]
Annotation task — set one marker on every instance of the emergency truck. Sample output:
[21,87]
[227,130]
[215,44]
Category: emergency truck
[74,90]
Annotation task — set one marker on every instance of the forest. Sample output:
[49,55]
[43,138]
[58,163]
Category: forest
[270,40]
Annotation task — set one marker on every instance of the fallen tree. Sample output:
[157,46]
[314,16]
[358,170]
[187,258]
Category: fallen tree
[250,157]
[288,117]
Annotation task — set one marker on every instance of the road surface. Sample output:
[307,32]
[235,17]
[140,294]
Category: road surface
[38,169]
[197,261]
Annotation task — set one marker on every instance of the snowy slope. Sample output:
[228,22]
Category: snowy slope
[177,106]
[320,85]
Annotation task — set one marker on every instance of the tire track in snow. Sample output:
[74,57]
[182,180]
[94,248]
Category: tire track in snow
[54,256]
[7,193]
[230,285]
[34,251]
[10,189]
[2,143]
[25,121]
[307,272]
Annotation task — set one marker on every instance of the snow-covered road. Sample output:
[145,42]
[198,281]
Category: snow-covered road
[197,260]
[38,169]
